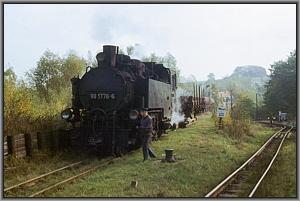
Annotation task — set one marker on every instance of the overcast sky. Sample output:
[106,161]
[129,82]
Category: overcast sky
[204,38]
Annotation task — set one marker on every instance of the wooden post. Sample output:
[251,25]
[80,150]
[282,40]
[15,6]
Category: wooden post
[199,92]
[60,140]
[11,145]
[28,144]
[40,142]
[64,139]
[220,123]
[54,140]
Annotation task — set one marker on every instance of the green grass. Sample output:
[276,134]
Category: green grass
[205,157]
[281,179]
[41,162]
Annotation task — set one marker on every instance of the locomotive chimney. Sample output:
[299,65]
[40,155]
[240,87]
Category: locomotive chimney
[110,53]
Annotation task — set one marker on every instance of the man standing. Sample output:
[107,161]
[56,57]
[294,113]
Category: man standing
[145,132]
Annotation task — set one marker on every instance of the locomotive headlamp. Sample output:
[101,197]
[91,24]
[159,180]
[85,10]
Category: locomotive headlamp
[133,114]
[67,114]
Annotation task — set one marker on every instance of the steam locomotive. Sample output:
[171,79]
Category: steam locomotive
[106,101]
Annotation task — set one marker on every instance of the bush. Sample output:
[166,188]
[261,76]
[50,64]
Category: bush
[237,122]
[35,105]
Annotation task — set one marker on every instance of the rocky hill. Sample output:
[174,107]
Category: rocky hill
[245,77]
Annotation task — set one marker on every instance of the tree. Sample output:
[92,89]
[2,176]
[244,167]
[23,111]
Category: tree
[72,66]
[130,50]
[244,107]
[152,58]
[281,94]
[237,121]
[168,60]
[91,60]
[47,74]
[10,76]
[211,78]
[54,73]
[121,51]
[18,107]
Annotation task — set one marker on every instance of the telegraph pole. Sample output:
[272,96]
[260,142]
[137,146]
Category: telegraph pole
[196,86]
[199,94]
[194,91]
[231,99]
[256,117]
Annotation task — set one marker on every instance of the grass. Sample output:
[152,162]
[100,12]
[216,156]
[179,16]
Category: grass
[41,162]
[281,179]
[205,156]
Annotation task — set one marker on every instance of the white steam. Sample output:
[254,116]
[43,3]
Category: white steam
[177,115]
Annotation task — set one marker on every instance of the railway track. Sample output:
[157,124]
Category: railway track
[39,185]
[245,180]
[41,176]
[82,173]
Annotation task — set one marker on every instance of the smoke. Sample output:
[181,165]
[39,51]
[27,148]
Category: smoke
[138,51]
[177,116]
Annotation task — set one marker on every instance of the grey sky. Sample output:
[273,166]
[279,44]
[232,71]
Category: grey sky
[204,38]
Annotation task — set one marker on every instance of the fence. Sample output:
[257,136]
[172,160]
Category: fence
[22,145]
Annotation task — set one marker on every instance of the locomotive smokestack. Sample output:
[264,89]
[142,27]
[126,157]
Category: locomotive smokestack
[110,53]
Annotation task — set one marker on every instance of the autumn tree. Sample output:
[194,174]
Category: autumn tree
[47,75]
[237,121]
[18,107]
[53,73]
[168,60]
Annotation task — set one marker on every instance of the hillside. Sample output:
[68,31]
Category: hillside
[245,78]
[249,79]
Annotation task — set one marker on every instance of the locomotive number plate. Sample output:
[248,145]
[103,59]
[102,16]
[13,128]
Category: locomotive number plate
[102,96]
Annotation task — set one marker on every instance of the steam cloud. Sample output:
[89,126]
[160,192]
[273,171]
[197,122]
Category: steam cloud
[177,116]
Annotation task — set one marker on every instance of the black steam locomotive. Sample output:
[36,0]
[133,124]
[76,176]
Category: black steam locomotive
[106,100]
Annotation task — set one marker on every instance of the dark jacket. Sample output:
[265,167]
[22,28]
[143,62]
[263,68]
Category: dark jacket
[146,126]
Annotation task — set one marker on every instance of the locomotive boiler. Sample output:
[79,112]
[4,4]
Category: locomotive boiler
[106,101]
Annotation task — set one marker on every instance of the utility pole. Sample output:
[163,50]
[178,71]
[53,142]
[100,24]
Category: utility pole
[196,94]
[194,103]
[256,111]
[194,91]
[230,99]
[199,95]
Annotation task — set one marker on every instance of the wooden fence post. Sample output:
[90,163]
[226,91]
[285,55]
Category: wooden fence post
[68,137]
[54,141]
[61,140]
[28,144]
[11,145]
[40,142]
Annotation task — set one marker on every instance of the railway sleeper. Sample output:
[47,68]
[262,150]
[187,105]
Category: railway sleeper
[228,195]
[233,190]
[236,185]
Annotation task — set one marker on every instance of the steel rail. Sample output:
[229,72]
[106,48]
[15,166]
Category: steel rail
[269,166]
[41,176]
[71,178]
[215,190]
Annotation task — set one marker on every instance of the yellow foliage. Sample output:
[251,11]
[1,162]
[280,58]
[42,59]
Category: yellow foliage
[25,113]
[236,127]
